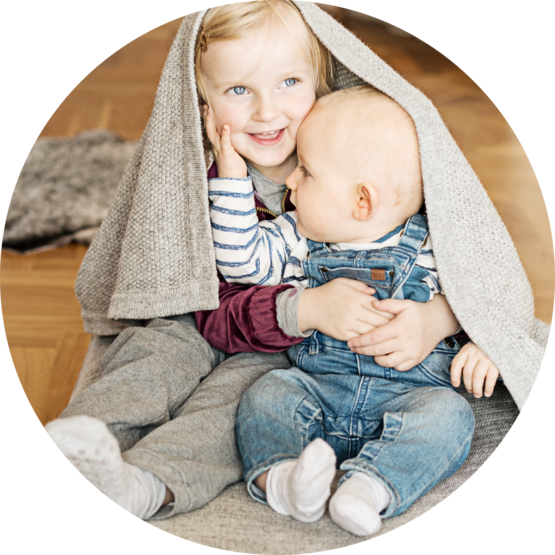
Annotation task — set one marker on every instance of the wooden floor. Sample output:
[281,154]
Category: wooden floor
[41,313]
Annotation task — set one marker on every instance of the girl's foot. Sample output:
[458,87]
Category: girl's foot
[94,451]
[301,488]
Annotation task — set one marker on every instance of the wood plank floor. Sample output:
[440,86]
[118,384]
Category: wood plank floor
[41,313]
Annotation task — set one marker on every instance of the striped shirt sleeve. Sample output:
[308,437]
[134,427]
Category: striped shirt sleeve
[248,251]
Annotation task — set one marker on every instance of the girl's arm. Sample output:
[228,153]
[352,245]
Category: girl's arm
[411,336]
[247,251]
[246,320]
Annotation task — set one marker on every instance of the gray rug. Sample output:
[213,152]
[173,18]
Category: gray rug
[65,189]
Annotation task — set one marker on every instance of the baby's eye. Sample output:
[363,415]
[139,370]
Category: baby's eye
[304,171]
[237,90]
[289,82]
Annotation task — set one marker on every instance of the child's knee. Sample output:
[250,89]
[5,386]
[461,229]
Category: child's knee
[454,415]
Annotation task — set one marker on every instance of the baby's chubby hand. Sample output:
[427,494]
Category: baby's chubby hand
[476,368]
[228,161]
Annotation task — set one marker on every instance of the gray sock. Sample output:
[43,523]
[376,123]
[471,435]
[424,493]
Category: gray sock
[94,451]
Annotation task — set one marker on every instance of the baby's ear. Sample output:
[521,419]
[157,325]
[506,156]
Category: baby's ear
[365,203]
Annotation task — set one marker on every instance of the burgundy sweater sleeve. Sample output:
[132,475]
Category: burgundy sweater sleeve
[246,320]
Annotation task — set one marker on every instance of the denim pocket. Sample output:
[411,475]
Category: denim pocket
[436,367]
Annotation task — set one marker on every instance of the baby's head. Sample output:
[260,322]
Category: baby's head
[260,69]
[358,175]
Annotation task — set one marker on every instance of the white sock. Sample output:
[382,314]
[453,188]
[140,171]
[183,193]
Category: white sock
[357,504]
[94,451]
[301,488]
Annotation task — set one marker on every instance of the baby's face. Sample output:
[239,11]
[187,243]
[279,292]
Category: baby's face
[324,182]
[358,174]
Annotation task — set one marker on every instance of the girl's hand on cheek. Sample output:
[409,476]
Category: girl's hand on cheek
[411,336]
[341,309]
[228,161]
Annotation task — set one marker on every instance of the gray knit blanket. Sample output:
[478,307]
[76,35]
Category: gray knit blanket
[65,189]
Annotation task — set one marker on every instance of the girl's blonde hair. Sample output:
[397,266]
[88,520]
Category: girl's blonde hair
[234,21]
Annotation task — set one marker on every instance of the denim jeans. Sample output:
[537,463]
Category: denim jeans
[408,436]
[410,430]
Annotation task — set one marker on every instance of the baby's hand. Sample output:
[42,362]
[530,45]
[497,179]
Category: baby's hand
[228,161]
[476,368]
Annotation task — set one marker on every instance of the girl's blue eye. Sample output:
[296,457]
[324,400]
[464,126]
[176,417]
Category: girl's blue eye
[238,90]
[290,82]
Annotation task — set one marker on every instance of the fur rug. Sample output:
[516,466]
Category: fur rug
[64,190]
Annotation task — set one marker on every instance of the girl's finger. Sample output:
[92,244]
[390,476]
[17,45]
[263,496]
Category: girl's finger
[372,318]
[456,368]
[468,371]
[358,285]
[225,143]
[210,127]
[369,305]
[479,376]
[368,340]
[394,306]
[491,380]
[382,349]
[397,360]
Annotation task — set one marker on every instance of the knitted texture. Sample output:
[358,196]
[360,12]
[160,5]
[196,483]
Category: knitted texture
[154,254]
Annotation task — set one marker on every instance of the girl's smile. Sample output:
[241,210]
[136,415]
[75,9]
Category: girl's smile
[268,138]
[262,86]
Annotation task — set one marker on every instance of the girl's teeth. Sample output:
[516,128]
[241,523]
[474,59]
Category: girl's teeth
[267,134]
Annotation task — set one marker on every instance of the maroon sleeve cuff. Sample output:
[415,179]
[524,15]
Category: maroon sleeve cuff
[246,320]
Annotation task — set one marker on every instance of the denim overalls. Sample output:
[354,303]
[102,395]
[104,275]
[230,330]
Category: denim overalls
[408,429]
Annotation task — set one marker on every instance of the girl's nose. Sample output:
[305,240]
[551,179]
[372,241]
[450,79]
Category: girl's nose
[266,110]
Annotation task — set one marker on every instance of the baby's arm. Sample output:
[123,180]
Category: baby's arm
[247,251]
[476,369]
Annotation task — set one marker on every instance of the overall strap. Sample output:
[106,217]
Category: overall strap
[316,248]
[415,233]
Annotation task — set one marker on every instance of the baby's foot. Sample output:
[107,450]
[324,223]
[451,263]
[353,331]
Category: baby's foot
[357,504]
[301,488]
[94,451]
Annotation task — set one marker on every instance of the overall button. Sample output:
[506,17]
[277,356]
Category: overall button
[450,342]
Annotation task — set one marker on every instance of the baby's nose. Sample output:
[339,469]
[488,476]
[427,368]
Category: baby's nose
[290,181]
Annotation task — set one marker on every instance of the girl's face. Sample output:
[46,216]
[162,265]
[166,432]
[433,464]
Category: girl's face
[262,86]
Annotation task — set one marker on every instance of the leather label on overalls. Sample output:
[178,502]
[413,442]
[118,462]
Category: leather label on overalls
[378,275]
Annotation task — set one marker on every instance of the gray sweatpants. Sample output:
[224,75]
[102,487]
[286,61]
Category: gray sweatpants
[170,399]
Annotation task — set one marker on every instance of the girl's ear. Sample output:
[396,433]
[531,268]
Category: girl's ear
[366,202]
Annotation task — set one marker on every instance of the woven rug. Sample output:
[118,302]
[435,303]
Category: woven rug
[64,190]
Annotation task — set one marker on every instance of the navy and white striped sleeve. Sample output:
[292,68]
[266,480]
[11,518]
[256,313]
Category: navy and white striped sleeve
[246,251]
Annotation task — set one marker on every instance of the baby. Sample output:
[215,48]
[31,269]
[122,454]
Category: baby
[358,190]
